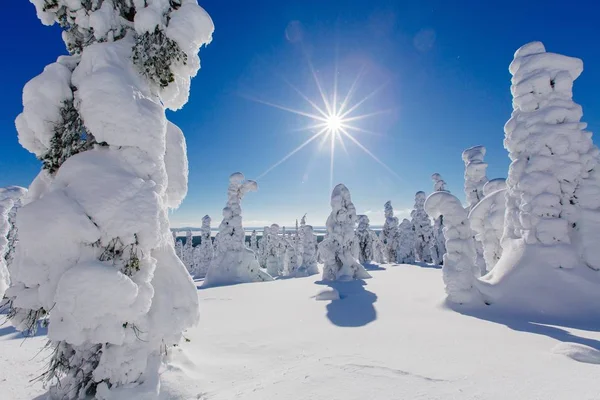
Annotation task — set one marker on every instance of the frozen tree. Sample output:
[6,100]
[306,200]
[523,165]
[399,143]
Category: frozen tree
[439,185]
[10,201]
[188,251]
[487,220]
[254,242]
[459,260]
[179,249]
[233,262]
[390,233]
[95,252]
[291,259]
[378,248]
[337,248]
[438,246]
[423,230]
[204,250]
[475,174]
[549,186]
[405,253]
[262,248]
[274,249]
[309,252]
[364,240]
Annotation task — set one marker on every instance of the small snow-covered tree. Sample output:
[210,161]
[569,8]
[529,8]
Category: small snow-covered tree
[364,240]
[254,242]
[438,246]
[291,262]
[10,201]
[205,250]
[390,232]
[405,253]
[487,220]
[378,248]
[233,262]
[95,252]
[459,260]
[274,249]
[475,174]
[423,230]
[179,249]
[262,248]
[188,251]
[309,252]
[337,248]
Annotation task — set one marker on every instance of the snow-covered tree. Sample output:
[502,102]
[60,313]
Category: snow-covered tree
[364,240]
[188,251]
[95,251]
[274,249]
[205,250]
[475,174]
[390,232]
[10,201]
[459,260]
[487,220]
[378,248]
[309,252]
[552,155]
[405,253]
[179,249]
[254,242]
[337,248]
[291,261]
[437,246]
[423,230]
[262,248]
[233,262]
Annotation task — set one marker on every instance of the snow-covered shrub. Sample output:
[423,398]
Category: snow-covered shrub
[337,248]
[459,260]
[423,230]
[389,233]
[438,246]
[10,201]
[405,254]
[94,250]
[233,262]
[475,174]
[309,252]
[487,220]
[205,250]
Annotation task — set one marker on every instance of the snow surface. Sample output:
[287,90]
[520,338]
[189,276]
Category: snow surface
[391,338]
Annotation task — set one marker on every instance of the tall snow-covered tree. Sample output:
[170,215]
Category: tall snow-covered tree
[95,252]
[423,230]
[487,220]
[10,201]
[475,174]
[459,260]
[338,247]
[438,244]
[309,252]
[233,262]
[390,232]
[405,254]
[205,250]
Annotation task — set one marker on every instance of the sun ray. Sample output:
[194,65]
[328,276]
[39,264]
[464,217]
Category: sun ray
[368,115]
[364,99]
[297,149]
[331,160]
[312,103]
[288,109]
[319,87]
[367,151]
[351,90]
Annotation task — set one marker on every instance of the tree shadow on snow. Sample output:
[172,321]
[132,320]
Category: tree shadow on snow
[554,328]
[355,306]
[9,330]
[373,267]
[425,265]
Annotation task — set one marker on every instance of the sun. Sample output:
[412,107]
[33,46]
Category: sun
[334,123]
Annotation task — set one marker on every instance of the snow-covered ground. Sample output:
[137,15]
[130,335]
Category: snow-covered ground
[390,337]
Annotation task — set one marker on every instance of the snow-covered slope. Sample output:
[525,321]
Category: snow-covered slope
[390,337]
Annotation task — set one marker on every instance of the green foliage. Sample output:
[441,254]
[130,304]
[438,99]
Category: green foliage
[154,54]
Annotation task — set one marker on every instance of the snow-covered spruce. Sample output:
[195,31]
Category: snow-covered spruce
[475,174]
[291,261]
[423,230]
[10,201]
[309,252]
[233,262]
[487,220]
[369,246]
[552,156]
[274,251]
[337,248]
[459,260]
[389,232]
[254,242]
[94,242]
[188,252]
[205,249]
[262,248]
[378,248]
[438,244]
[406,243]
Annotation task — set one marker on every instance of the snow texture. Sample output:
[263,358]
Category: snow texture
[337,249]
[233,262]
[459,260]
[423,229]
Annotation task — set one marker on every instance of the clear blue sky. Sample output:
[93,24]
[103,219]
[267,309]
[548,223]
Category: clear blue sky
[445,69]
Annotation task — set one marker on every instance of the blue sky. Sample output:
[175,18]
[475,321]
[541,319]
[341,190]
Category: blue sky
[442,66]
